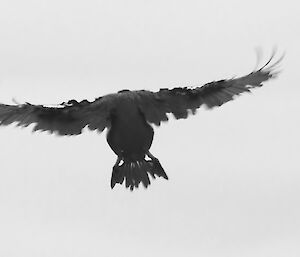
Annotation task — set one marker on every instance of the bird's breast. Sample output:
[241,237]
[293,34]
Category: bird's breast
[130,134]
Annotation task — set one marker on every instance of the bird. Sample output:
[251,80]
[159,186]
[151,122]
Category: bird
[129,116]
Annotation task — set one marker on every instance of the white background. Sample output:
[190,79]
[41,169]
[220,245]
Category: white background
[234,171]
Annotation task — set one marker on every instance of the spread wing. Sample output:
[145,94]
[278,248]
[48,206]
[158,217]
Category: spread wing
[178,101]
[68,118]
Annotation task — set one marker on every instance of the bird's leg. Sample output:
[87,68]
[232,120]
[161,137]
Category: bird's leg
[117,175]
[151,156]
[156,169]
[118,161]
[154,161]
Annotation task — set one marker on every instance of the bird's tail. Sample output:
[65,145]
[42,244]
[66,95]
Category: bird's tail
[135,172]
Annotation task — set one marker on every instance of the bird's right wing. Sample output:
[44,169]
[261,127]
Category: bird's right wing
[179,101]
[68,118]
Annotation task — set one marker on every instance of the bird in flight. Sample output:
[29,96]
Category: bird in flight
[128,116]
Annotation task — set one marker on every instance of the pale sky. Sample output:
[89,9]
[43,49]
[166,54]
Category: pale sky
[234,172]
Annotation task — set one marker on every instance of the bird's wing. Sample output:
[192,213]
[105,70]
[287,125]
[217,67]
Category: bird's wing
[68,118]
[178,101]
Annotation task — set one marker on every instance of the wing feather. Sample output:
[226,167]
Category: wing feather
[178,101]
[68,118]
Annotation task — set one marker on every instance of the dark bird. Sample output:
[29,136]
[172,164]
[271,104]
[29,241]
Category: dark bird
[128,114]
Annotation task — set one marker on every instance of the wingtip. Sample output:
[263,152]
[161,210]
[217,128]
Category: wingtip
[271,67]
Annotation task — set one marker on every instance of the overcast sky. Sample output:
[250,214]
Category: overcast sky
[234,172]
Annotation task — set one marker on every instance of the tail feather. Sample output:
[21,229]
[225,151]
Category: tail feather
[134,173]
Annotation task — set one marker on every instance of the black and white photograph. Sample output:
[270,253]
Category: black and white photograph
[149,128]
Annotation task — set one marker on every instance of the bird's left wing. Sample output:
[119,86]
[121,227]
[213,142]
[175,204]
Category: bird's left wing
[179,101]
[68,118]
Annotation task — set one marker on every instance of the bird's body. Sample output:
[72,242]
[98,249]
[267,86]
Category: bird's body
[128,114]
[129,136]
